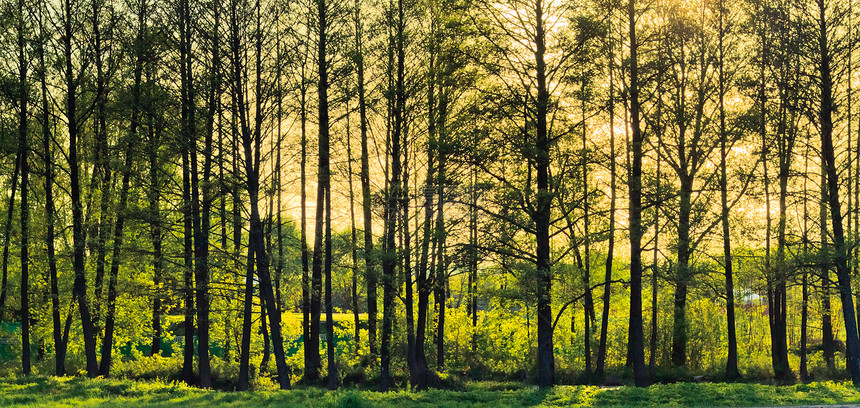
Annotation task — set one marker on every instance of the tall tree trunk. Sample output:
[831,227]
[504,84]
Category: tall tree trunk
[655,268]
[189,154]
[370,273]
[588,302]
[119,236]
[406,264]
[119,233]
[634,182]
[267,346]
[252,144]
[732,371]
[155,235]
[423,281]
[202,207]
[7,235]
[679,329]
[610,247]
[390,251]
[441,278]
[102,158]
[781,368]
[843,273]
[541,216]
[78,237]
[315,361]
[804,311]
[47,140]
[24,151]
[311,370]
[825,263]
[247,305]
[353,238]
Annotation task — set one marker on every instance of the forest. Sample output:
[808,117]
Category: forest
[420,193]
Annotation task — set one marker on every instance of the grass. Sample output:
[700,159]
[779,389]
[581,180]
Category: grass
[35,391]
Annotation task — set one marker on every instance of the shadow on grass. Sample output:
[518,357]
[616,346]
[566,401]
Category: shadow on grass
[77,391]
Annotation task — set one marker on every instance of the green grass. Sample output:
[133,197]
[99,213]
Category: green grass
[80,392]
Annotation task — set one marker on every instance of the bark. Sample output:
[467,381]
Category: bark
[634,183]
[78,234]
[353,239]
[843,273]
[804,311]
[10,212]
[247,305]
[732,357]
[423,281]
[441,278]
[827,337]
[187,138]
[24,151]
[370,272]
[252,144]
[588,303]
[47,140]
[102,158]
[541,216]
[119,232]
[202,208]
[311,370]
[155,236]
[321,239]
[390,251]
[406,264]
[610,248]
[267,346]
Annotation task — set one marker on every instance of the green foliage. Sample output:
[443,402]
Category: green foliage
[35,391]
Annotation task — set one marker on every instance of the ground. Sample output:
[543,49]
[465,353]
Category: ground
[37,391]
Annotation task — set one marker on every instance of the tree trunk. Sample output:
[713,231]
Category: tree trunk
[390,251]
[78,238]
[247,305]
[10,212]
[827,337]
[636,347]
[843,273]
[311,370]
[267,346]
[353,239]
[370,273]
[24,151]
[679,329]
[588,302]
[189,154]
[610,248]
[102,159]
[406,265]
[155,236]
[541,216]
[732,371]
[119,233]
[202,207]
[47,140]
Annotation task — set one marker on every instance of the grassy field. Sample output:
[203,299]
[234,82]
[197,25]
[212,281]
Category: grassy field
[81,392]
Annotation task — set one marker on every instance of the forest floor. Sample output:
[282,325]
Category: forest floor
[38,391]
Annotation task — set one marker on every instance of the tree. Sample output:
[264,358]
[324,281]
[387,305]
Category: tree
[393,197]
[634,185]
[732,359]
[74,121]
[252,142]
[824,26]
[24,151]
[122,208]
